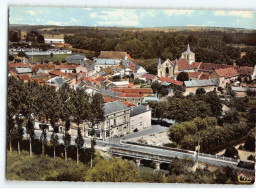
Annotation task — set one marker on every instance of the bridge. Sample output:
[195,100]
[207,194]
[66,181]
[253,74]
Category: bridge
[159,154]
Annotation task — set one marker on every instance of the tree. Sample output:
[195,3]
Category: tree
[51,55]
[54,142]
[66,140]
[10,58]
[13,36]
[20,131]
[231,152]
[40,38]
[79,144]
[156,87]
[31,133]
[113,170]
[94,117]
[250,143]
[183,76]
[10,131]
[214,101]
[136,81]
[200,91]
[43,138]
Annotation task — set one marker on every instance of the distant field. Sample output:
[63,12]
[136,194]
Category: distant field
[39,58]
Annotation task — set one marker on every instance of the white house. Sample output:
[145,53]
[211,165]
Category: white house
[140,118]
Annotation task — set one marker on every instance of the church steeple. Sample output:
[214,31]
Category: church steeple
[188,48]
[188,55]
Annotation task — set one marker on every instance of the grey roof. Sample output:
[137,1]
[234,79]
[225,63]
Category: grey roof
[115,106]
[58,81]
[88,66]
[126,63]
[23,70]
[103,73]
[76,59]
[135,110]
[242,89]
[109,93]
[201,83]
[106,61]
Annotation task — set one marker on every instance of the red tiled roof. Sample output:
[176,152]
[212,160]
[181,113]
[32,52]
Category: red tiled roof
[43,67]
[175,82]
[183,64]
[245,70]
[106,100]
[148,76]
[129,56]
[129,104]
[193,74]
[130,95]
[24,77]
[133,90]
[204,76]
[57,73]
[68,66]
[100,79]
[19,65]
[211,67]
[13,70]
[227,72]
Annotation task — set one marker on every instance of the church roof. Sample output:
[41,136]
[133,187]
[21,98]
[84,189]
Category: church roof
[184,65]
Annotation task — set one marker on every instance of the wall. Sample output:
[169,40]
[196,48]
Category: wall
[189,90]
[141,121]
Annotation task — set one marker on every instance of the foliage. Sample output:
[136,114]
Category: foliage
[113,170]
[231,152]
[183,76]
[250,142]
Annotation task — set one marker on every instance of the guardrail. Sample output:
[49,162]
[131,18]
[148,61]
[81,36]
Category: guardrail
[219,157]
[159,147]
[143,155]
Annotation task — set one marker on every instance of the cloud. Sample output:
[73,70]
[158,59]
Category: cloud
[31,12]
[116,17]
[151,13]
[74,20]
[243,14]
[178,12]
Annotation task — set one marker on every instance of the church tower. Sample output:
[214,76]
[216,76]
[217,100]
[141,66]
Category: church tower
[188,55]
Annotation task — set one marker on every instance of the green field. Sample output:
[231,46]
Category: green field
[39,58]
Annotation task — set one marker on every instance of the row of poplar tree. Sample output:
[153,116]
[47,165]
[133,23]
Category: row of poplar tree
[29,101]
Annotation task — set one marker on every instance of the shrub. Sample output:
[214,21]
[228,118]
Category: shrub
[231,152]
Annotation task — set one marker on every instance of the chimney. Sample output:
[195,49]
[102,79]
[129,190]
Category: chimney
[234,63]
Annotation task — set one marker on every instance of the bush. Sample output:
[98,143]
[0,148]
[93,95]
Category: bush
[231,152]
[135,130]
[251,157]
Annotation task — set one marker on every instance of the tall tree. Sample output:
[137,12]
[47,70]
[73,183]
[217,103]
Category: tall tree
[79,144]
[66,140]
[54,142]
[20,131]
[31,133]
[183,76]
[43,138]
[94,117]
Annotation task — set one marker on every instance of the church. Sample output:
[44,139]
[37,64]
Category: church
[186,63]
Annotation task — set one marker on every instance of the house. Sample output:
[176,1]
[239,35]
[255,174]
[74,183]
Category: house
[42,68]
[191,75]
[146,100]
[247,73]
[68,68]
[105,63]
[24,77]
[224,76]
[207,85]
[242,91]
[114,55]
[170,82]
[56,82]
[140,118]
[116,122]
[48,38]
[148,78]
[138,71]
[134,98]
[20,68]
[76,59]
[211,67]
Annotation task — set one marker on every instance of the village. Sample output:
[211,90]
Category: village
[164,111]
[126,86]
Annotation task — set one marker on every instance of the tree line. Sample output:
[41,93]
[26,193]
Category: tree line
[30,101]
[208,47]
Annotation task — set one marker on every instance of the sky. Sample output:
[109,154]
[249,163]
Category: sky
[131,17]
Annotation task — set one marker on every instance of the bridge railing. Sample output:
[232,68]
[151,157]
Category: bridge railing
[144,155]
[218,157]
